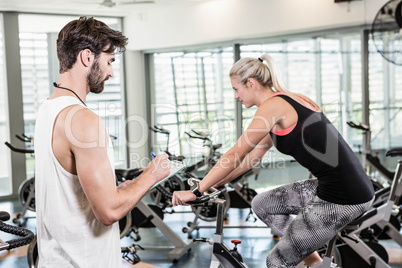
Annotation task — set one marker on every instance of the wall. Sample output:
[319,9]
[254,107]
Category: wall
[225,20]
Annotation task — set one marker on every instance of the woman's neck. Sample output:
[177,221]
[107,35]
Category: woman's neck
[263,95]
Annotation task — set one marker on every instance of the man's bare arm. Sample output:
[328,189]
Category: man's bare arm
[89,146]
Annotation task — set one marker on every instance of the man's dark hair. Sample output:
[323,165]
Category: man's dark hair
[87,33]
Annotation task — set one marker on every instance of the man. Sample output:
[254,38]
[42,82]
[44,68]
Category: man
[77,203]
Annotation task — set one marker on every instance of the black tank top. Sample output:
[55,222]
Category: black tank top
[317,145]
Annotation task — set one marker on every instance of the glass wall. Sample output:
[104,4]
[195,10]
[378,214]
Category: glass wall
[385,101]
[193,92]
[35,85]
[5,180]
[326,68]
[322,69]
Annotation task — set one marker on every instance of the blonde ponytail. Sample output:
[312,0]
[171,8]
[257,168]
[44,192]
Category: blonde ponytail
[266,72]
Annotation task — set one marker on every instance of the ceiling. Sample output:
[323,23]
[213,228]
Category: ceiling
[91,7]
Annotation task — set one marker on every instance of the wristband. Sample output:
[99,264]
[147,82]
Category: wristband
[196,192]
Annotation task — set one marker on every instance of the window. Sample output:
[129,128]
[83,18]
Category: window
[385,100]
[316,68]
[193,91]
[5,180]
[35,83]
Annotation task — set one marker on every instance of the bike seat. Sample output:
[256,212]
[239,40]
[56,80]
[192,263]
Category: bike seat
[394,152]
[217,146]
[382,191]
[353,225]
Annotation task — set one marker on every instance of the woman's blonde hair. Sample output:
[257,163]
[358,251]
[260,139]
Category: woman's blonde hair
[267,75]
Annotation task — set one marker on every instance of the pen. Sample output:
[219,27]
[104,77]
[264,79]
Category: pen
[153,154]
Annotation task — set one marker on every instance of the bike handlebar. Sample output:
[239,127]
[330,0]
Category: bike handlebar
[27,235]
[360,126]
[200,133]
[201,137]
[24,138]
[159,130]
[212,193]
[18,150]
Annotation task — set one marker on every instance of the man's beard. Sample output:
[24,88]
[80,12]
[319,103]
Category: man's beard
[95,79]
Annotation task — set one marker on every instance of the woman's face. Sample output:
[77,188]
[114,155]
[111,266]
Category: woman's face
[243,92]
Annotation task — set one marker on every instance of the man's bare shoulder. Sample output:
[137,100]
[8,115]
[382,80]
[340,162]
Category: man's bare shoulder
[83,128]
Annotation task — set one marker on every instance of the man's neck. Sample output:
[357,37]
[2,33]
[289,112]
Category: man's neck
[73,82]
[71,85]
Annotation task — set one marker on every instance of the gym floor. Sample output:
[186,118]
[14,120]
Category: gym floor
[255,242]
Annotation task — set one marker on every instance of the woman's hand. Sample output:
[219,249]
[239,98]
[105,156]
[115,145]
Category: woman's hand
[180,198]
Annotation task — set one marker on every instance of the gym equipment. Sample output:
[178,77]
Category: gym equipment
[370,162]
[209,160]
[175,183]
[220,248]
[373,165]
[240,197]
[26,235]
[145,216]
[26,191]
[346,248]
[356,252]
[222,255]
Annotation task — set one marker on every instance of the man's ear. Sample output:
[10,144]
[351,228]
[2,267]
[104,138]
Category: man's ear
[86,57]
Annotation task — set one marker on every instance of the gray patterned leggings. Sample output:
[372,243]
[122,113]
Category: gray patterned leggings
[317,221]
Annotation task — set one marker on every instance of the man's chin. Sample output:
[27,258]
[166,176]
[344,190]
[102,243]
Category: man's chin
[98,89]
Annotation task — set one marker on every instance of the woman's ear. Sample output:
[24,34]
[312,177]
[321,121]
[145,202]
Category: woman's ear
[251,83]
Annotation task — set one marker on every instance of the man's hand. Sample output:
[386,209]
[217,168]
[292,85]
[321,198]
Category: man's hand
[158,168]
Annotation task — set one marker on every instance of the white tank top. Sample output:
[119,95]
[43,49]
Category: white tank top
[69,235]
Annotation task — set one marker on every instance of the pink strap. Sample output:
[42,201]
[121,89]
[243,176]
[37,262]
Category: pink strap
[284,132]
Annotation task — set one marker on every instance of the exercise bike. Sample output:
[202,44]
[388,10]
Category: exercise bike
[371,163]
[26,191]
[240,195]
[26,236]
[380,176]
[222,255]
[176,183]
[146,216]
[347,249]
[353,251]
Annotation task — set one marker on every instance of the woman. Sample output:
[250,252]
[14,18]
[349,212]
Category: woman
[297,127]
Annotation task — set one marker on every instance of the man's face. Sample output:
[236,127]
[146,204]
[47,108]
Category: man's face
[100,71]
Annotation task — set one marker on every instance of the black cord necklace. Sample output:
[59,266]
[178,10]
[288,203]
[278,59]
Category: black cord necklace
[56,85]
